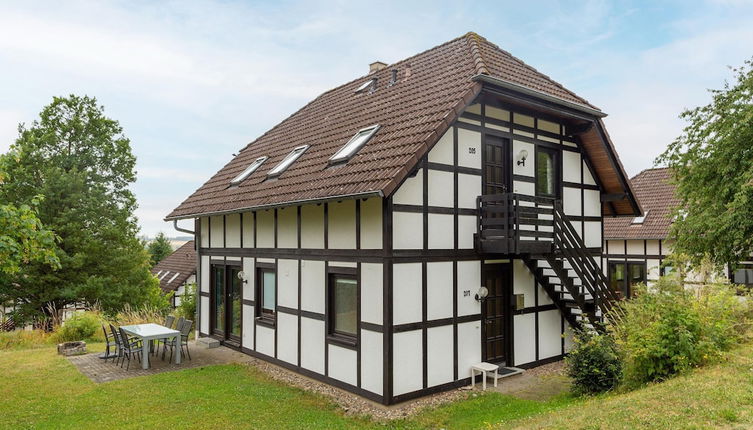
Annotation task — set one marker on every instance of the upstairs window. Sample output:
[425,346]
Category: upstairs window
[546,172]
[249,170]
[287,161]
[640,219]
[354,144]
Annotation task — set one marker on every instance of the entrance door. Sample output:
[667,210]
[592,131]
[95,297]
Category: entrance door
[496,165]
[495,312]
[226,303]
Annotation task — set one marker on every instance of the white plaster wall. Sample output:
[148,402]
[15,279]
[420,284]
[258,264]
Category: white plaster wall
[652,247]
[371,223]
[371,293]
[248,229]
[652,269]
[342,225]
[233,231]
[287,227]
[343,364]
[469,347]
[439,359]
[527,168]
[550,334]
[247,332]
[524,339]
[312,345]
[205,275]
[265,340]
[526,188]
[407,372]
[407,293]
[287,283]
[439,289]
[469,148]
[571,201]
[287,338]
[523,282]
[407,230]
[248,287]
[524,120]
[372,361]
[442,152]
[635,247]
[591,203]
[265,229]
[204,224]
[312,285]
[469,278]
[441,231]
[216,227]
[497,113]
[441,189]
[571,165]
[411,192]
[549,126]
[593,233]
[312,226]
[587,176]
[205,315]
[469,187]
[466,230]
[616,247]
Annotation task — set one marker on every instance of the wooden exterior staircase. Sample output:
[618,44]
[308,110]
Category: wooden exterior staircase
[536,230]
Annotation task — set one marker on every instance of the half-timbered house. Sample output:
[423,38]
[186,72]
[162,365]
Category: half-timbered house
[435,213]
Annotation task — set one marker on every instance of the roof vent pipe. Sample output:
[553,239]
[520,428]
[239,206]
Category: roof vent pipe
[393,80]
[377,66]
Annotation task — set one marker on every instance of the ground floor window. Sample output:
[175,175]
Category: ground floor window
[743,275]
[266,292]
[342,291]
[623,276]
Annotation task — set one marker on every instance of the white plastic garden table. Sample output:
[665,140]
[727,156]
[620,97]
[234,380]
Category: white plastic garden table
[150,332]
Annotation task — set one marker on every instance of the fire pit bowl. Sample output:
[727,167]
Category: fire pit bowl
[72,348]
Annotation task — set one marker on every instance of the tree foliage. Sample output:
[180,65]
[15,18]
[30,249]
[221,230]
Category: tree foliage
[79,160]
[712,163]
[159,248]
[23,239]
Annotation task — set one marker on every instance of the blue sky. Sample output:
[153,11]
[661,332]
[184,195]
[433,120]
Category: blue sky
[192,82]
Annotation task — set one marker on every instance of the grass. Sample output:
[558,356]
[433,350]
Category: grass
[43,390]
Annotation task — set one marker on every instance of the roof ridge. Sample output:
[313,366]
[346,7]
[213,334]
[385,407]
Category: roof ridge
[650,169]
[478,59]
[544,75]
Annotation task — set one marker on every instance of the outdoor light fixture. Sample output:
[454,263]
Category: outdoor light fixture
[482,293]
[242,277]
[522,155]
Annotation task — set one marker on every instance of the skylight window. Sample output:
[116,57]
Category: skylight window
[354,144]
[365,85]
[249,170]
[287,161]
[173,278]
[640,219]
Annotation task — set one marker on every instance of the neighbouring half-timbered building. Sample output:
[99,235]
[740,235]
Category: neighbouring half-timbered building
[636,249]
[177,271]
[436,213]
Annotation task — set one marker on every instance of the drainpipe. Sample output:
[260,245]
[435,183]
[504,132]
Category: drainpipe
[182,230]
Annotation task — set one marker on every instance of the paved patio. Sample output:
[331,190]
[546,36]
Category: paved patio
[98,371]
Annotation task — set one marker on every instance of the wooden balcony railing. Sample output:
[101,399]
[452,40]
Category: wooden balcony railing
[513,223]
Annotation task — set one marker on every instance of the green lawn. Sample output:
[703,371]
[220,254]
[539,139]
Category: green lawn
[42,390]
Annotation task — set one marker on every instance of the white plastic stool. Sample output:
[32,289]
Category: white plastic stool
[482,369]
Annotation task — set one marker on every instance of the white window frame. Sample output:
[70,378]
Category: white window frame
[365,85]
[358,141]
[249,170]
[640,219]
[287,161]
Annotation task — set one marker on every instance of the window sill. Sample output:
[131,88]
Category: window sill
[344,341]
[265,321]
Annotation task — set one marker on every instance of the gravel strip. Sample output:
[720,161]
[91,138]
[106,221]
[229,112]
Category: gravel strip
[354,405]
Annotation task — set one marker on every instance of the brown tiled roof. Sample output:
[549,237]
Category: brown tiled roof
[432,89]
[656,194]
[182,263]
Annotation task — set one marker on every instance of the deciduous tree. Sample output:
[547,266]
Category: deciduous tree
[159,248]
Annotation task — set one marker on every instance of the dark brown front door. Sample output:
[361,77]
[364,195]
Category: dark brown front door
[495,312]
[496,165]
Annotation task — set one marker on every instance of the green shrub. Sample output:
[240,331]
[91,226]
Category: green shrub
[22,339]
[81,326]
[594,363]
[187,307]
[668,329]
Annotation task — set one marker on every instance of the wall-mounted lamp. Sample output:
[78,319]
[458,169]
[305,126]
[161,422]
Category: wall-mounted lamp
[242,277]
[482,293]
[522,155]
